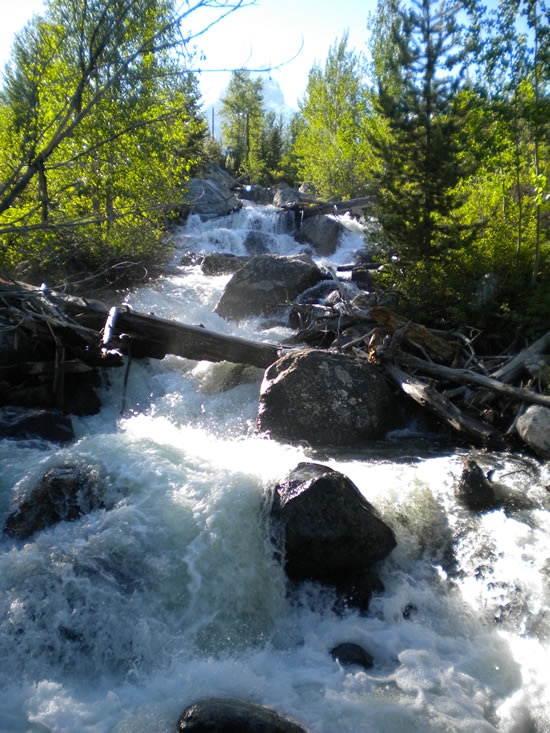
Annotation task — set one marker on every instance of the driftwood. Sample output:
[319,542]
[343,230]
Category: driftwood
[514,368]
[443,408]
[467,376]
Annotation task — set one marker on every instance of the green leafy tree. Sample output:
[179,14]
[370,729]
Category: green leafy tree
[331,148]
[99,129]
[242,124]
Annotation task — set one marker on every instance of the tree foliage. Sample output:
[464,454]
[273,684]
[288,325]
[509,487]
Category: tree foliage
[99,128]
[333,154]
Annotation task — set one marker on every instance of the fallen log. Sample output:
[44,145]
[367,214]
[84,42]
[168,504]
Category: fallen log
[443,408]
[156,337]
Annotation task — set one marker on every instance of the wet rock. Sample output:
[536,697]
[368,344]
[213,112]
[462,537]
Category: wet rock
[266,284]
[533,427]
[23,424]
[474,489]
[325,530]
[348,654]
[190,259]
[322,233]
[222,263]
[209,198]
[64,494]
[228,715]
[324,399]
[285,195]
[259,243]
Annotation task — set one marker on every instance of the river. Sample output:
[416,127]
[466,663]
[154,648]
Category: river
[116,622]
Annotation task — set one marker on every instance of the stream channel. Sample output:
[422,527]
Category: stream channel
[116,622]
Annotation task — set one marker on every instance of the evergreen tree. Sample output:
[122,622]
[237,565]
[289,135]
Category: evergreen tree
[418,75]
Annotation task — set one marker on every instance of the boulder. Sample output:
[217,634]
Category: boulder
[322,233]
[285,195]
[266,284]
[23,424]
[64,493]
[209,198]
[220,175]
[326,531]
[349,653]
[533,427]
[325,399]
[228,715]
[474,489]
[222,263]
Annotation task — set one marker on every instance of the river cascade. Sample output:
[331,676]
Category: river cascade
[171,593]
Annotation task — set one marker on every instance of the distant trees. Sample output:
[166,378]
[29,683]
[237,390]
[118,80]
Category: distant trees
[253,137]
[99,128]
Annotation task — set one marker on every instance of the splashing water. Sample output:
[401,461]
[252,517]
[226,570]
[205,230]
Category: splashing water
[118,621]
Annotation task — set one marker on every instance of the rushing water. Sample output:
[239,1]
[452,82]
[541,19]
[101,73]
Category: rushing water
[118,621]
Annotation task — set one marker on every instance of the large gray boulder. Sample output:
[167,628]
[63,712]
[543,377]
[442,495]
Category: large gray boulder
[64,493]
[266,284]
[326,531]
[325,399]
[209,198]
[322,233]
[533,427]
[228,715]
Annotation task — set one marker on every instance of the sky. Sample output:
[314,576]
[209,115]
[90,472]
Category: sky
[266,33]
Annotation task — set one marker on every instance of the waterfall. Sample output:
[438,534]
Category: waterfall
[118,621]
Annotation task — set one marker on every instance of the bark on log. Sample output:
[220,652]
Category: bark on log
[156,337]
[443,408]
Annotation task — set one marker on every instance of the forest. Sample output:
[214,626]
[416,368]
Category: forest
[442,120]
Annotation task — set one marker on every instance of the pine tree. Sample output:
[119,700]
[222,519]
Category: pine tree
[418,76]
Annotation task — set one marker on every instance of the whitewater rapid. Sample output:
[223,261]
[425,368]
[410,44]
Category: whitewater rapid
[116,622]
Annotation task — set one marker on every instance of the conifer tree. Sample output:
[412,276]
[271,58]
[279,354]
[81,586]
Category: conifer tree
[418,75]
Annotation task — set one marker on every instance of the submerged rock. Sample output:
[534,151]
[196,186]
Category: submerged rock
[349,653]
[64,493]
[266,284]
[21,423]
[228,715]
[326,531]
[474,489]
[325,399]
